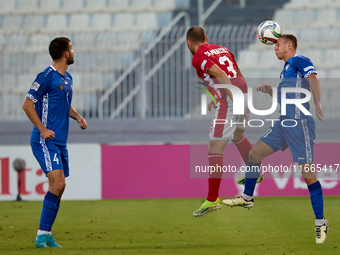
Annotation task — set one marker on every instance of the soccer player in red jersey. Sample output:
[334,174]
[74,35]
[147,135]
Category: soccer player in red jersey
[216,64]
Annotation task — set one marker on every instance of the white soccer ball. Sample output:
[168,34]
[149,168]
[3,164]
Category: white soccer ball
[268,32]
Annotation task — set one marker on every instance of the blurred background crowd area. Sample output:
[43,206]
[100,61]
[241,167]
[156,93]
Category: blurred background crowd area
[131,58]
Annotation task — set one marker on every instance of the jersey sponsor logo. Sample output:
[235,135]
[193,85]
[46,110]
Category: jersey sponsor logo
[308,68]
[203,64]
[35,86]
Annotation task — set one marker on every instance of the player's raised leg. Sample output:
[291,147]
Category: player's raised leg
[256,154]
[316,197]
[50,209]
[215,157]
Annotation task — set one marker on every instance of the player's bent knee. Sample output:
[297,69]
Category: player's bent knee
[254,156]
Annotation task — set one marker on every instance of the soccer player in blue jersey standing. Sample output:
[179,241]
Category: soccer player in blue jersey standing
[48,106]
[298,72]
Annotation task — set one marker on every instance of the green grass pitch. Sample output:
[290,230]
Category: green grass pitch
[275,225]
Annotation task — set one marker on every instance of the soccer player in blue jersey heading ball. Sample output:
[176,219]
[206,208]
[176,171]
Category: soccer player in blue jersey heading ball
[48,106]
[298,72]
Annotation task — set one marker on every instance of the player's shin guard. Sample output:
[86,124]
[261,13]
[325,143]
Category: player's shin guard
[252,173]
[316,198]
[243,146]
[49,211]
[216,163]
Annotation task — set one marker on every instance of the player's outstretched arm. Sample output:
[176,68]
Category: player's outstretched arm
[221,77]
[314,83]
[76,116]
[265,88]
[31,113]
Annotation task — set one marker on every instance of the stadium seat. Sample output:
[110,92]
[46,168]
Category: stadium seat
[27,6]
[39,43]
[284,17]
[91,82]
[123,21]
[10,82]
[247,59]
[11,24]
[118,6]
[268,60]
[17,43]
[55,23]
[33,24]
[319,5]
[101,22]
[140,5]
[335,4]
[79,23]
[326,19]
[95,6]
[7,7]
[83,42]
[41,62]
[304,18]
[146,21]
[49,7]
[72,6]
[24,82]
[297,4]
[163,6]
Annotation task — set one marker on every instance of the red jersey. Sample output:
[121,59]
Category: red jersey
[207,55]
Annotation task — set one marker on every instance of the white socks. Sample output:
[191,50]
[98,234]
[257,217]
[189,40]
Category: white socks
[319,222]
[246,197]
[41,232]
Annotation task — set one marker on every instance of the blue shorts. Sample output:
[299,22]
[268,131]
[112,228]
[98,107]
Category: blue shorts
[51,156]
[299,139]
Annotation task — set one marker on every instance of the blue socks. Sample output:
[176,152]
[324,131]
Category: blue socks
[316,198]
[49,212]
[252,173]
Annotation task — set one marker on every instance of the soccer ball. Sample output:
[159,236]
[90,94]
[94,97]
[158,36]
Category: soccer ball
[268,32]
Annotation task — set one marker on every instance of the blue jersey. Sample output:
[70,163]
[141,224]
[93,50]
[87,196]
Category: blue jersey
[294,74]
[52,93]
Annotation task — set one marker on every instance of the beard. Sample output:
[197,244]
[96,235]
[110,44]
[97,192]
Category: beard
[70,60]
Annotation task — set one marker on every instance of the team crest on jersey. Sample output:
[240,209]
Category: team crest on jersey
[61,87]
[35,86]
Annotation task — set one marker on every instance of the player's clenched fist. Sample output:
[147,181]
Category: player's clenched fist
[82,123]
[265,88]
[47,134]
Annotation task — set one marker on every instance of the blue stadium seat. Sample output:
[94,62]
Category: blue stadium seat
[297,4]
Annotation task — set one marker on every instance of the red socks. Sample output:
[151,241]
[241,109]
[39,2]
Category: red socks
[243,146]
[215,178]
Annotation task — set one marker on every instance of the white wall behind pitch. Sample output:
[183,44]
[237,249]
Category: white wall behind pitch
[84,182]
